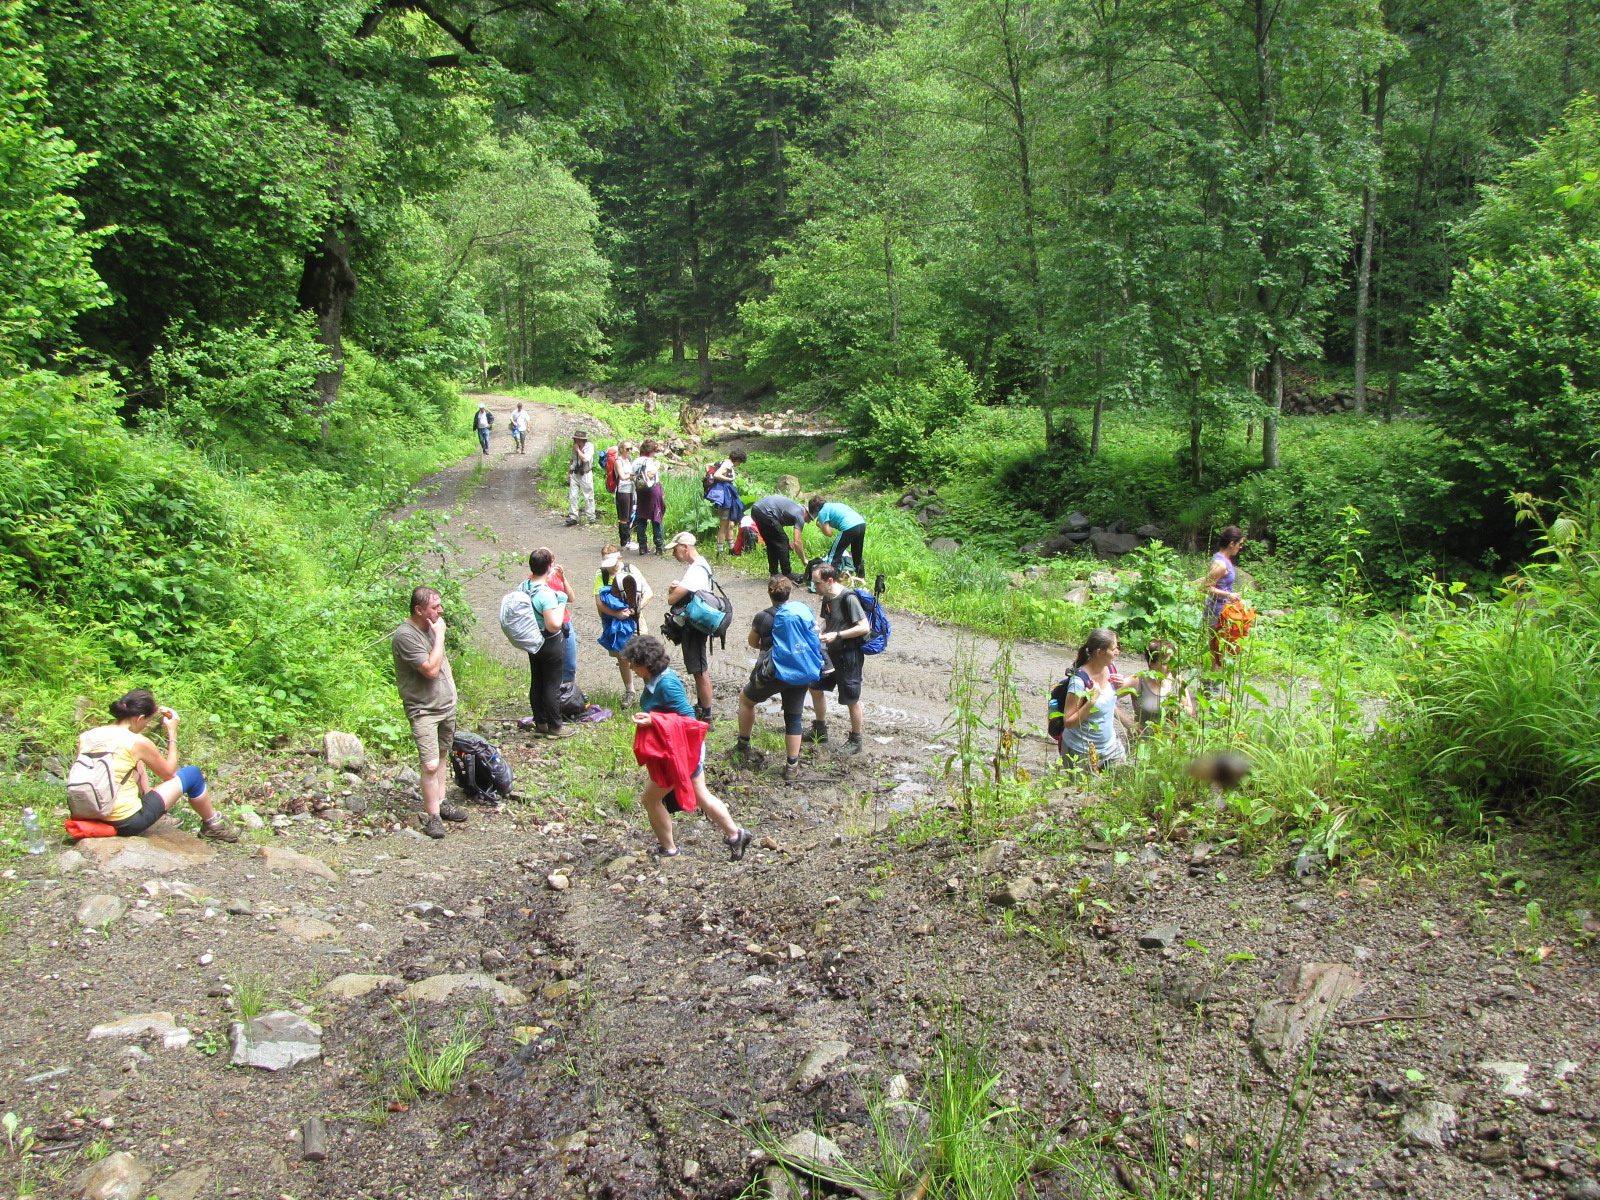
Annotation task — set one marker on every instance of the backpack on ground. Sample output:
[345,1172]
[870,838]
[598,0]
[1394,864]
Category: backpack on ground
[608,460]
[1056,725]
[572,700]
[478,767]
[877,640]
[523,627]
[92,785]
[796,649]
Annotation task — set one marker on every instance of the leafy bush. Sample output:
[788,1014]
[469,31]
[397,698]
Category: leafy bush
[911,429]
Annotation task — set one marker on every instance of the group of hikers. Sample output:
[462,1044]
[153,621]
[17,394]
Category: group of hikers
[800,654]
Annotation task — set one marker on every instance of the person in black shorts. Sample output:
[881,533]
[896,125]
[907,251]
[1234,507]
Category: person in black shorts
[696,646]
[773,516]
[764,684]
[845,628]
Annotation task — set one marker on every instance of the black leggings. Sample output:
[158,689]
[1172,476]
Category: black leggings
[850,542]
[777,539]
[544,686]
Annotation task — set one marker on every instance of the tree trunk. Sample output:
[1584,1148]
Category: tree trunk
[1196,428]
[890,285]
[1369,223]
[704,351]
[1270,458]
[677,339]
[327,283]
[1098,422]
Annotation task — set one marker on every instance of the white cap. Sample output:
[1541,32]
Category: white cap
[610,561]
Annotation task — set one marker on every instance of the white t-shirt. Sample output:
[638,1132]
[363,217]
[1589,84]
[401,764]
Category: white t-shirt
[697,575]
[481,421]
[624,474]
[519,419]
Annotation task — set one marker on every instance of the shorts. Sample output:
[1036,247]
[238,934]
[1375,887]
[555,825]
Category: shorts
[845,681]
[1083,764]
[152,808]
[434,733]
[696,651]
[764,687]
[724,512]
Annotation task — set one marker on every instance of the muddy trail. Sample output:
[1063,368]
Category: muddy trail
[641,1026]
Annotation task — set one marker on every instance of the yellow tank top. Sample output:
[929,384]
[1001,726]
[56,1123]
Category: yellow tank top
[119,741]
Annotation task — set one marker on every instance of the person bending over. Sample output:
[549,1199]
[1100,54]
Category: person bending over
[851,526]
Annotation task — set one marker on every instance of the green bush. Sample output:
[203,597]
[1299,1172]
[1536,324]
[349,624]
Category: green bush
[911,429]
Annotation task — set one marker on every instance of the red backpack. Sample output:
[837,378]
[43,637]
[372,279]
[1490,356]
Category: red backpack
[608,460]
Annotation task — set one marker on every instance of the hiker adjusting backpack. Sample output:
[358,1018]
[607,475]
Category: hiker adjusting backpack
[478,767]
[520,624]
[877,640]
[1055,725]
[796,650]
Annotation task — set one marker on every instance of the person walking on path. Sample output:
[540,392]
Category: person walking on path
[851,526]
[621,577]
[428,695]
[482,422]
[1088,713]
[766,677]
[624,474]
[544,668]
[724,497]
[1219,585]
[696,645]
[773,514]
[672,754]
[845,629]
[519,428]
[133,757]
[580,478]
[649,498]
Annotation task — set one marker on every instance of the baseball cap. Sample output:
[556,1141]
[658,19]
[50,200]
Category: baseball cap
[682,539]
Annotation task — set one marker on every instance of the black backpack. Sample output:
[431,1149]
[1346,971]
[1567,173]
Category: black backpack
[478,767]
[1056,724]
[573,701]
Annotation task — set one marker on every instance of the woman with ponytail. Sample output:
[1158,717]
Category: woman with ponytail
[1088,708]
[133,756]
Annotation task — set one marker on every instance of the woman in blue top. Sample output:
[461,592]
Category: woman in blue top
[545,667]
[1219,584]
[851,527]
[663,692]
[1089,741]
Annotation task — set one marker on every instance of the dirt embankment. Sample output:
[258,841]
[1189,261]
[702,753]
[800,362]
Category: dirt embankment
[641,1020]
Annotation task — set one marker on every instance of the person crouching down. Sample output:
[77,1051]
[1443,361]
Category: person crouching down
[670,743]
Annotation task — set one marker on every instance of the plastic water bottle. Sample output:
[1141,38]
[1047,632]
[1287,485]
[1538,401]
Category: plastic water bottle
[31,833]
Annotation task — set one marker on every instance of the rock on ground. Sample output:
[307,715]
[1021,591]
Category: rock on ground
[117,1176]
[1429,1124]
[163,849]
[275,1041]
[349,987]
[815,1064]
[307,929]
[281,858]
[99,911]
[440,987]
[344,751]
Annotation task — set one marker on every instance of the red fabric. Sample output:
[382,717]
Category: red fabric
[669,748]
[78,827]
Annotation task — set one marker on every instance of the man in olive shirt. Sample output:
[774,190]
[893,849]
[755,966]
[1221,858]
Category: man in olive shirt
[428,694]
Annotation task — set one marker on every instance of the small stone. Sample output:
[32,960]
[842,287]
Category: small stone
[117,1176]
[349,987]
[408,778]
[1429,1124]
[1512,1076]
[492,960]
[240,908]
[1584,1189]
[281,858]
[275,1041]
[1158,937]
[69,862]
[306,929]
[816,1063]
[441,987]
[571,1142]
[690,1170]
[1302,904]
[809,1148]
[619,867]
[206,960]
[1012,893]
[185,1185]
[898,1088]
[560,989]
[158,1023]
[99,911]
[557,883]
[344,751]
[250,819]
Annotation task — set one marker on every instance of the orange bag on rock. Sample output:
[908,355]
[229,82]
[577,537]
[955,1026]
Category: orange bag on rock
[1234,621]
[78,827]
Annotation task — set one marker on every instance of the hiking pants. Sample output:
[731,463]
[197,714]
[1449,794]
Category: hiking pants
[850,542]
[580,486]
[544,682]
[777,539]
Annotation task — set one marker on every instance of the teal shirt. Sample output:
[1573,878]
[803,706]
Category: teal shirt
[840,516]
[665,693]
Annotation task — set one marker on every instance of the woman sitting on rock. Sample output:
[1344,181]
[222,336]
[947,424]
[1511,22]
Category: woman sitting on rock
[132,756]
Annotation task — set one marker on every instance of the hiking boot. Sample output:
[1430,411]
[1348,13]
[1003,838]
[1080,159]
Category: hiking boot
[737,844]
[556,732]
[703,714]
[819,733]
[745,755]
[433,826]
[629,699]
[452,812]
[791,771]
[852,744]
[663,852]
[218,832]
[571,521]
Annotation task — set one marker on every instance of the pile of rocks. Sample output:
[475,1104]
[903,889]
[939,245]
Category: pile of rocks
[1305,402]
[1110,541]
[731,423]
[923,504]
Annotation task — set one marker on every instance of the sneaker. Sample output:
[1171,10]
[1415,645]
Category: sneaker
[819,733]
[219,832]
[433,826]
[737,845]
[663,852]
[852,744]
[791,771]
[571,521]
[452,812]
[556,732]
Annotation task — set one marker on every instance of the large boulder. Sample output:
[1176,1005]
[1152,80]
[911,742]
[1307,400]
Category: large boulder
[1074,522]
[789,485]
[945,545]
[1108,544]
[344,751]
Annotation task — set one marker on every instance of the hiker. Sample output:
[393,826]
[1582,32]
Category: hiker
[1218,586]
[580,478]
[557,579]
[772,514]
[519,428]
[1156,690]
[845,629]
[851,526]
[789,662]
[137,805]
[1088,708]
[483,421]
[696,645]
[672,748]
[649,499]
[724,497]
[622,470]
[428,695]
[545,667]
[616,575]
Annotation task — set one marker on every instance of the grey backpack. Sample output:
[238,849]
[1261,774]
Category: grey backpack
[92,785]
[522,626]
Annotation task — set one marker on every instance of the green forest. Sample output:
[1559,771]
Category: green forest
[1327,269]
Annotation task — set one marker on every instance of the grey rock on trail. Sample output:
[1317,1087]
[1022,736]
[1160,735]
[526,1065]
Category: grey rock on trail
[99,911]
[440,987]
[1158,937]
[275,1041]
[118,1176]
[815,1064]
[344,751]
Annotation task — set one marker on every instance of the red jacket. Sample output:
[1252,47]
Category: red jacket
[669,748]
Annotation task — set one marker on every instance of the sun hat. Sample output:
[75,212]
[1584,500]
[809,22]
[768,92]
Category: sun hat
[682,539]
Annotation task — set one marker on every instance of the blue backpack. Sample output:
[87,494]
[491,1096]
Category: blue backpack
[877,641]
[796,649]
